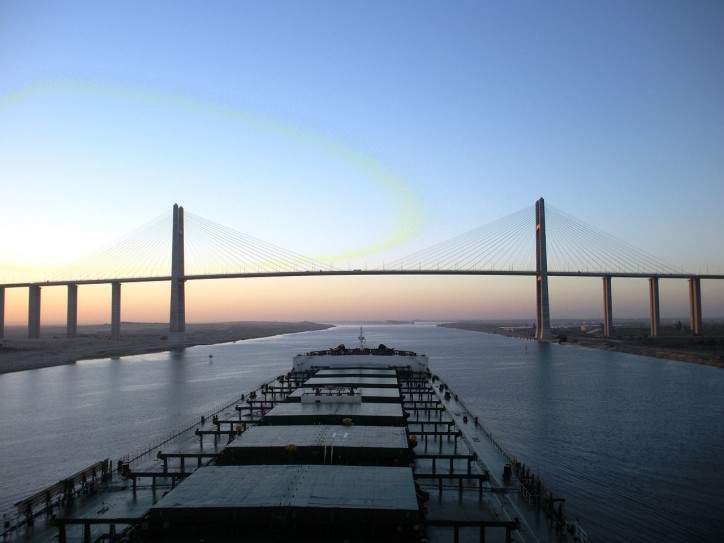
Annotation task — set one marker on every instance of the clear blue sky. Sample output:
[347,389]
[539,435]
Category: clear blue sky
[376,127]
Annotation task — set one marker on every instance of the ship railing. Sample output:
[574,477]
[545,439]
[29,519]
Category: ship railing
[524,477]
[149,447]
[61,493]
[86,478]
[40,502]
[508,456]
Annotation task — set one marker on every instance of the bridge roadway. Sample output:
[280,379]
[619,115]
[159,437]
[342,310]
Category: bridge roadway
[34,298]
[312,273]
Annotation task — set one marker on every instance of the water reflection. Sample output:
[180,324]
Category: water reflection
[631,442]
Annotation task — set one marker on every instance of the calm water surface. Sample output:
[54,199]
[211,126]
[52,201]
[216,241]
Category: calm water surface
[633,443]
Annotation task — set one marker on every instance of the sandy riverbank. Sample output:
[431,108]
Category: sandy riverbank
[18,353]
[695,354]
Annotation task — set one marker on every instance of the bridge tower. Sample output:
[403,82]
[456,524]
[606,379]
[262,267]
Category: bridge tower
[543,319]
[177,323]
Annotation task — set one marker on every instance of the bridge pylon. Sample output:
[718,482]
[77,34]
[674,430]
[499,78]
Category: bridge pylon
[543,319]
[177,321]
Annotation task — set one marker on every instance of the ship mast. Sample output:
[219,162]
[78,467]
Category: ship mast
[361,338]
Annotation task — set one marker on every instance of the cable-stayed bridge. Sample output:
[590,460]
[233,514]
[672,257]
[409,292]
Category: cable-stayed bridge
[534,241]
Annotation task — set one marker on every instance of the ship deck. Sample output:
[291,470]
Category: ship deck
[422,469]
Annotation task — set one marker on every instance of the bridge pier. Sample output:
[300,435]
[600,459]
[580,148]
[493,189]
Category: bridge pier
[607,306]
[72,325]
[2,312]
[34,312]
[115,310]
[695,305]
[654,306]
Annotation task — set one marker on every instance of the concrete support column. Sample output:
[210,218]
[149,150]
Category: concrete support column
[543,319]
[34,312]
[654,306]
[607,307]
[115,310]
[2,312]
[72,328]
[695,305]
[177,320]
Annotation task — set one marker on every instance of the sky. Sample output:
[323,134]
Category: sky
[356,133]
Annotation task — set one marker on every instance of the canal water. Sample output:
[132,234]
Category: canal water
[633,443]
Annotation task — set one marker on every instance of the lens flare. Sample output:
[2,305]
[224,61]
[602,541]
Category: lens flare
[407,206]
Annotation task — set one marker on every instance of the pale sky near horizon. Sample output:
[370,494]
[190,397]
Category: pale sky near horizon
[371,128]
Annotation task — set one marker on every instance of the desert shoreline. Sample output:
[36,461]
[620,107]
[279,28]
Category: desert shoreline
[18,353]
[705,358]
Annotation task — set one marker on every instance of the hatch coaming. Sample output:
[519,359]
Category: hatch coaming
[417,363]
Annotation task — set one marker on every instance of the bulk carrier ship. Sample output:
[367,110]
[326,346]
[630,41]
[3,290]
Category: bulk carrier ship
[353,444]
